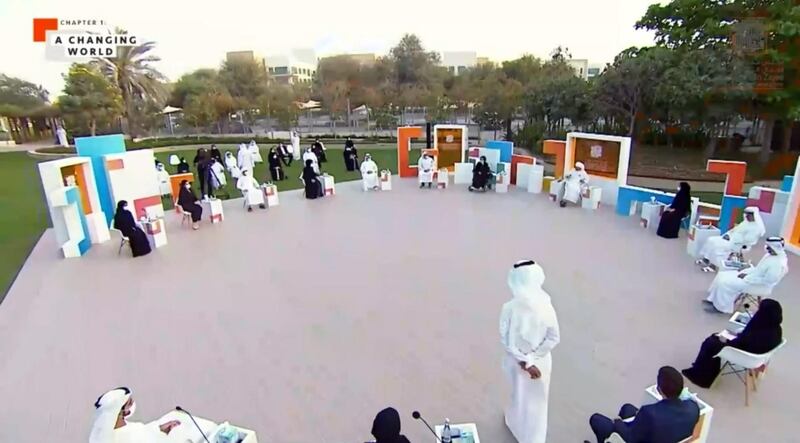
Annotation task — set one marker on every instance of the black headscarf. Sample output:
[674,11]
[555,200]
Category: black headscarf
[763,332]
[683,199]
[386,427]
[123,219]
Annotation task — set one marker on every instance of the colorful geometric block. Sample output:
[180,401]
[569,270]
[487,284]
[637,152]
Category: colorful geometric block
[175,183]
[506,149]
[404,136]
[559,149]
[96,148]
[517,160]
[786,184]
[132,177]
[140,205]
[731,205]
[735,174]
[763,200]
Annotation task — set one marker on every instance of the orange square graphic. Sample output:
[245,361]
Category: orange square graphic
[41,26]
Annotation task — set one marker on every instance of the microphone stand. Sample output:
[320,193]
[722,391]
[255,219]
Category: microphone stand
[180,409]
[417,416]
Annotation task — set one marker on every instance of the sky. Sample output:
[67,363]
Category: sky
[197,34]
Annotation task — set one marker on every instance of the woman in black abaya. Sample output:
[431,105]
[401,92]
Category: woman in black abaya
[671,219]
[275,168]
[480,175]
[386,427]
[188,201]
[312,184]
[137,239]
[762,334]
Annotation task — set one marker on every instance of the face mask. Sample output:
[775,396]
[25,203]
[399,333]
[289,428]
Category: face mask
[125,207]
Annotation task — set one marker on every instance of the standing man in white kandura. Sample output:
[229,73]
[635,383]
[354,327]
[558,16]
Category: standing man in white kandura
[528,332]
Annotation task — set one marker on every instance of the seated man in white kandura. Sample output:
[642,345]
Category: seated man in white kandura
[727,285]
[251,191]
[369,173]
[573,185]
[425,170]
[111,425]
[718,249]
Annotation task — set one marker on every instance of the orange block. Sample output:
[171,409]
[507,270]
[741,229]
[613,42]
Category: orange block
[559,149]
[175,183]
[517,159]
[41,26]
[735,171]
[404,136]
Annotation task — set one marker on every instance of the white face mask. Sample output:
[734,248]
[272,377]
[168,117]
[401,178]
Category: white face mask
[125,207]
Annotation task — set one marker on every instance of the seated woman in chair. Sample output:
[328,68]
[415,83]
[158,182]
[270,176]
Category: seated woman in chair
[672,217]
[188,202]
[762,334]
[124,222]
[311,181]
[481,174]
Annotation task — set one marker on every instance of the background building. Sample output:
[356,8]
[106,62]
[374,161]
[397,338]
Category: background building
[594,70]
[298,66]
[581,67]
[246,56]
[365,59]
[458,62]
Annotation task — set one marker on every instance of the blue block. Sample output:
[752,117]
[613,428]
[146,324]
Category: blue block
[627,195]
[729,203]
[506,149]
[73,196]
[95,148]
[786,185]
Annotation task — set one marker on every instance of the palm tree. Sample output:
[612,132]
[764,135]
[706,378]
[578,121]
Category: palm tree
[131,71]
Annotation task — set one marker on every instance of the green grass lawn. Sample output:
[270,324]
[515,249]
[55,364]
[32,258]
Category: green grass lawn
[23,213]
[385,158]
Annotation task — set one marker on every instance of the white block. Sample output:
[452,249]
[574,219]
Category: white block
[591,198]
[523,174]
[442,178]
[555,185]
[651,214]
[698,237]
[386,180]
[156,232]
[328,185]
[213,208]
[271,194]
[98,229]
[535,179]
[501,182]
[463,174]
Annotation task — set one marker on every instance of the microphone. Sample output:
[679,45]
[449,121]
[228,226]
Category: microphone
[418,416]
[180,409]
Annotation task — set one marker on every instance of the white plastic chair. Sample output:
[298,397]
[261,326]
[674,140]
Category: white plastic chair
[615,438]
[122,241]
[752,296]
[185,216]
[752,365]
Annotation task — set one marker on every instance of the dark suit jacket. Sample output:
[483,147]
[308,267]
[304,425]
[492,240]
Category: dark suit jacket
[668,421]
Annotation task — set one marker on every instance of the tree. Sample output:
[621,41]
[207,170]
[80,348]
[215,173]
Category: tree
[245,80]
[89,100]
[195,83]
[132,72]
[25,105]
[411,63]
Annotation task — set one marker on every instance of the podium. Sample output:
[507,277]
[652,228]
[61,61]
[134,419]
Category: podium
[386,180]
[591,197]
[154,228]
[442,178]
[328,185]
[271,194]
[468,432]
[188,432]
[698,235]
[651,214]
[214,210]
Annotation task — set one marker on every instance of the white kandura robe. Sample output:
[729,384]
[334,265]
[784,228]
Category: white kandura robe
[251,190]
[716,249]
[164,186]
[218,178]
[529,332]
[233,168]
[308,155]
[245,159]
[574,183]
[727,285]
[369,174]
[425,169]
[61,133]
[295,148]
[255,152]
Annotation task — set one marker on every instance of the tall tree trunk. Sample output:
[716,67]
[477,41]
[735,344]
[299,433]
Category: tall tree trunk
[711,147]
[755,130]
[93,127]
[788,125]
[766,140]
[726,133]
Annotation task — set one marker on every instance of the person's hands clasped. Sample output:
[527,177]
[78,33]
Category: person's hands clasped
[168,426]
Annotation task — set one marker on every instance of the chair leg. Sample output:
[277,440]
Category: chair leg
[747,388]
[121,244]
